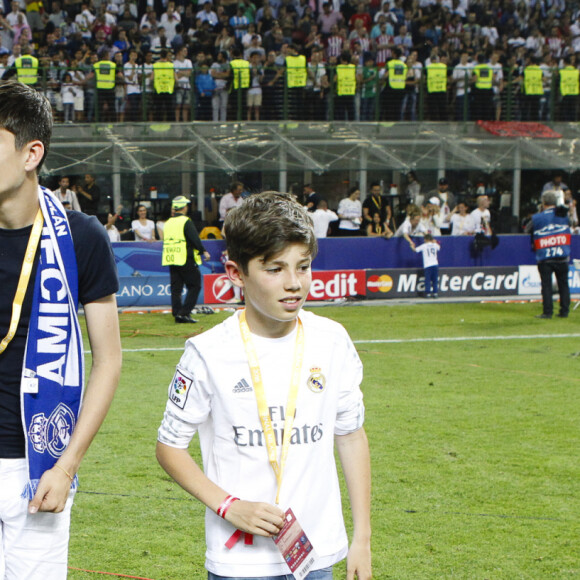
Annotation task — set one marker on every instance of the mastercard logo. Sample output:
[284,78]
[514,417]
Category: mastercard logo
[383,283]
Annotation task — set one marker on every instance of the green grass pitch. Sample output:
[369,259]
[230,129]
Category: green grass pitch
[473,415]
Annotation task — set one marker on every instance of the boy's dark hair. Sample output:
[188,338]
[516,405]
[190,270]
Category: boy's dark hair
[26,114]
[264,225]
[428,237]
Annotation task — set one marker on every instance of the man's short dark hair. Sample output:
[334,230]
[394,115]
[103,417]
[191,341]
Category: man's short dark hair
[26,114]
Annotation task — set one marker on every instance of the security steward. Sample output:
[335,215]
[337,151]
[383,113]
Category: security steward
[296,76]
[182,250]
[105,76]
[394,92]
[569,90]
[482,80]
[437,88]
[240,81]
[533,90]
[551,242]
[164,86]
[27,68]
[345,74]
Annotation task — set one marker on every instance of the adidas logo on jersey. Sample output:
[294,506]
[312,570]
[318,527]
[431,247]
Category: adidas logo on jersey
[242,387]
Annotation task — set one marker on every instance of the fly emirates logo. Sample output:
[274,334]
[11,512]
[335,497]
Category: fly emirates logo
[301,434]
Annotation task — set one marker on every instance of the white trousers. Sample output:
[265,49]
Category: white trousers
[32,546]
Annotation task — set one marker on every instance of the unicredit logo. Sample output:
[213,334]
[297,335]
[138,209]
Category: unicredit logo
[223,289]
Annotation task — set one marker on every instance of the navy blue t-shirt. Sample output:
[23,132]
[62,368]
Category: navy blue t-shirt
[97,278]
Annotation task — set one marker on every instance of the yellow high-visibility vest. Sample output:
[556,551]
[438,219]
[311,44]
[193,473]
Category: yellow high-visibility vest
[437,77]
[241,72]
[163,77]
[105,74]
[397,74]
[27,69]
[484,76]
[533,80]
[174,242]
[296,71]
[345,80]
[569,81]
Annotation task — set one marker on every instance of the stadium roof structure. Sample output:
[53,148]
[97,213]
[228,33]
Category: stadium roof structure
[320,147]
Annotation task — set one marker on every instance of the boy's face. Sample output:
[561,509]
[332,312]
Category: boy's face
[275,290]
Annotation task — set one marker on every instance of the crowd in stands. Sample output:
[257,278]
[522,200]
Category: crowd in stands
[411,211]
[131,60]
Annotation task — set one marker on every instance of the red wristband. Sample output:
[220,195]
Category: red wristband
[225,506]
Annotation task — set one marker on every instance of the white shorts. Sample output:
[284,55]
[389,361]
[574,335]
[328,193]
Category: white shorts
[32,546]
[254,99]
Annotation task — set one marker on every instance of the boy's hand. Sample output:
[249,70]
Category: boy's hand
[261,519]
[52,492]
[358,561]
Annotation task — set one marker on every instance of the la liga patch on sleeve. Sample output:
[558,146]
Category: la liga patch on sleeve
[179,389]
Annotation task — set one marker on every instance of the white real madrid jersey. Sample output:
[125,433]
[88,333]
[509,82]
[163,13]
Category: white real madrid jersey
[212,394]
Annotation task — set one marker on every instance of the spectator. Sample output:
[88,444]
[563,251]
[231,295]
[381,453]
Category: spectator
[431,219]
[207,15]
[221,73]
[133,83]
[90,195]
[447,203]
[377,228]
[481,217]
[239,23]
[143,228]
[559,187]
[65,195]
[120,88]
[255,90]
[205,87]
[328,18]
[169,20]
[460,220]
[112,231]
[412,226]
[322,217]
[413,190]
[350,213]
[230,200]
[183,69]
[375,202]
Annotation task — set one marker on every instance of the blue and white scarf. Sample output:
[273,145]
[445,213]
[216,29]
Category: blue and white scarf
[53,372]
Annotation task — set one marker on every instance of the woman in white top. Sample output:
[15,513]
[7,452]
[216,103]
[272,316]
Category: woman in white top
[143,228]
[350,213]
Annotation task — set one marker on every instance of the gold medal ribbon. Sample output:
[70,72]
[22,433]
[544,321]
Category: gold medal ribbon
[24,279]
[263,411]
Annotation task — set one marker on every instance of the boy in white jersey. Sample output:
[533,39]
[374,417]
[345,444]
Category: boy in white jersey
[429,250]
[286,371]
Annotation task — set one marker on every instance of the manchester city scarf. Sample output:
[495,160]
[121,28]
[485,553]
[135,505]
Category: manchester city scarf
[53,371]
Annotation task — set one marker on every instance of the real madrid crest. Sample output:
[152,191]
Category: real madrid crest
[316,381]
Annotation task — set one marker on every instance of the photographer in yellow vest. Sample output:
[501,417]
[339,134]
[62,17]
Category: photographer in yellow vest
[437,88]
[164,86]
[569,89]
[296,76]
[182,251]
[105,71]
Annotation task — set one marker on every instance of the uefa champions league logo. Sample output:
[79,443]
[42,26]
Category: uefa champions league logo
[52,434]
